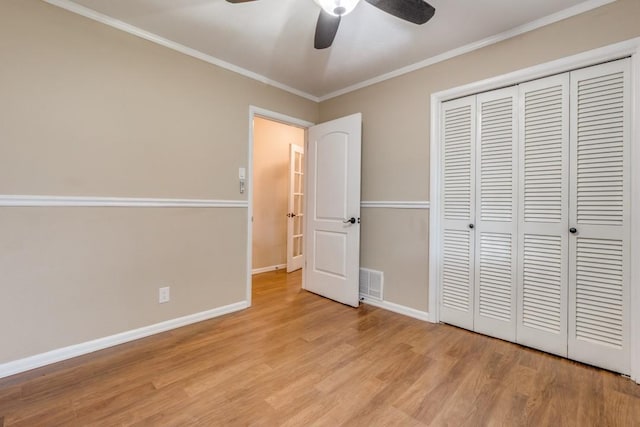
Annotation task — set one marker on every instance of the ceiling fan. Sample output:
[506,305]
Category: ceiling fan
[415,11]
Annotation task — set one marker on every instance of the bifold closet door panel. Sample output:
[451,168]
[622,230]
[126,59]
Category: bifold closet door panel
[496,214]
[543,215]
[458,129]
[599,216]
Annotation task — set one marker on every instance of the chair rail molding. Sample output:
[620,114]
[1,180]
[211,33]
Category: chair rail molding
[81,201]
[395,204]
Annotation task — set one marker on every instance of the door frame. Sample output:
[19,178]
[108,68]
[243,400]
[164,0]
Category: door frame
[629,48]
[276,117]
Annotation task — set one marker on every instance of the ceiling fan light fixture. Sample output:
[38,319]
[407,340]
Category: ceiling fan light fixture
[337,7]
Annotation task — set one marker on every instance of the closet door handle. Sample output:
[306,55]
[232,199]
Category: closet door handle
[573,230]
[471,226]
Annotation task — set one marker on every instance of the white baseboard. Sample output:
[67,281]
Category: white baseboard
[58,355]
[269,268]
[397,308]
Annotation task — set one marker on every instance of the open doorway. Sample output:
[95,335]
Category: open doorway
[278,196]
[269,130]
[329,186]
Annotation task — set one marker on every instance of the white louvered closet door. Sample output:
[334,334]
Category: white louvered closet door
[457,201]
[543,216]
[496,214]
[600,196]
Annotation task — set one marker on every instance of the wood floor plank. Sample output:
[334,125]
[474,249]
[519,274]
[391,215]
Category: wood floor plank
[297,359]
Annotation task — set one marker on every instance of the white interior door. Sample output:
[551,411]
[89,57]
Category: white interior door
[599,221]
[543,214]
[458,211]
[496,214]
[332,234]
[295,213]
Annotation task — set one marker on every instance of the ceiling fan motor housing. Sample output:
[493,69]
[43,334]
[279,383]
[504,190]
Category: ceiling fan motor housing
[339,10]
[415,11]
[337,7]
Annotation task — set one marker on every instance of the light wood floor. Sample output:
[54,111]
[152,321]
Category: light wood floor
[297,359]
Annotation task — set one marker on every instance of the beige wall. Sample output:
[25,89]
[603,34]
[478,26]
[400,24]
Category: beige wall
[87,110]
[271,142]
[395,241]
[395,149]
[71,274]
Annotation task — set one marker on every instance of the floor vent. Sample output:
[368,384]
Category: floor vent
[371,283]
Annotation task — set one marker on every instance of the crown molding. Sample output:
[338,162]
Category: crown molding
[139,32]
[547,20]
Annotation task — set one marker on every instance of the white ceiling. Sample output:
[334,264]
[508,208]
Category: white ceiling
[274,38]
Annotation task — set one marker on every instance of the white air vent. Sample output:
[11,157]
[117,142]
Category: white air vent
[371,283]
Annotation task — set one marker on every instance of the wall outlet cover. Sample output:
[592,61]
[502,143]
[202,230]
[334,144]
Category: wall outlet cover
[164,295]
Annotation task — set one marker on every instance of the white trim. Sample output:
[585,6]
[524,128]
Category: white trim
[138,32]
[395,205]
[573,62]
[154,38]
[78,201]
[635,216]
[434,211]
[58,355]
[615,51]
[547,20]
[282,118]
[396,308]
[278,117]
[269,268]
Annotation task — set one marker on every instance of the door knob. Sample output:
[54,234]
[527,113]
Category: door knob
[291,215]
[351,220]
[573,230]
[471,225]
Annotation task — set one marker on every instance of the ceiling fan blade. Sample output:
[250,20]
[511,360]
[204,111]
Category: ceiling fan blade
[326,30]
[239,1]
[416,11]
